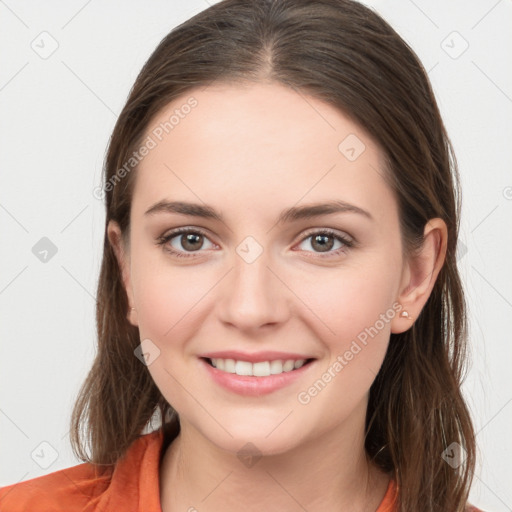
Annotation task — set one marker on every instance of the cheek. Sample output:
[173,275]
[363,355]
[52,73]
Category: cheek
[168,298]
[348,300]
[354,312]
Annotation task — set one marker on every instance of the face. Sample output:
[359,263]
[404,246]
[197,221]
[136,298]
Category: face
[255,274]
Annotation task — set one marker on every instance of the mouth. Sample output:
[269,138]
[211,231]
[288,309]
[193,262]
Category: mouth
[257,369]
[256,373]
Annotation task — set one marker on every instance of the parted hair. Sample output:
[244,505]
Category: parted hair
[343,53]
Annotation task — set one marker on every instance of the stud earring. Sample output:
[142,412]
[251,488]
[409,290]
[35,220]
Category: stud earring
[405,314]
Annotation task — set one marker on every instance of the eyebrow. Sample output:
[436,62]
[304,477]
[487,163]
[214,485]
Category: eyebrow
[289,215]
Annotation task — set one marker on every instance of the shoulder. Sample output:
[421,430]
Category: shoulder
[83,488]
[67,489]
[388,504]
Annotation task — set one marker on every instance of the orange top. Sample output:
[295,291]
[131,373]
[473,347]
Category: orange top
[132,485]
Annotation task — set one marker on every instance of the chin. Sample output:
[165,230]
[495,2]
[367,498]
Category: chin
[249,443]
[257,439]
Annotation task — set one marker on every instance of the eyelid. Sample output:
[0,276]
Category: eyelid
[329,231]
[185,229]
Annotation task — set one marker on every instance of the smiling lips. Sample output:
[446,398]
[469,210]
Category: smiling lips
[257,373]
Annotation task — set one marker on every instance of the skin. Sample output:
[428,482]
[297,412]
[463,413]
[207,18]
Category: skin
[250,152]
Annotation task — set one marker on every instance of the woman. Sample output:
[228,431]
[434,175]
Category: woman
[279,282]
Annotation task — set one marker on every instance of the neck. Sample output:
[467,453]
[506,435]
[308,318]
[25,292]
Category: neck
[329,472]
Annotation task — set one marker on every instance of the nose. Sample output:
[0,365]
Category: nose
[253,296]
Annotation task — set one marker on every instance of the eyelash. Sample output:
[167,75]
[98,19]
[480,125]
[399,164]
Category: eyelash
[326,231]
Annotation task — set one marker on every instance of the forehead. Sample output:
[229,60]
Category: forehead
[259,144]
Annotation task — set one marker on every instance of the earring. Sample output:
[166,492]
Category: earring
[405,314]
[133,309]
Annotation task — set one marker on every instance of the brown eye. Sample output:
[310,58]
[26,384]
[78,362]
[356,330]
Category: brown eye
[191,241]
[322,243]
[182,242]
[326,241]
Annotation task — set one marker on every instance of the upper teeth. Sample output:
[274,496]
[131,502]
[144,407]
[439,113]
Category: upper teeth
[261,369]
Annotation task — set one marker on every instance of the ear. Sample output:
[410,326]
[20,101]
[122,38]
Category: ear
[420,274]
[123,259]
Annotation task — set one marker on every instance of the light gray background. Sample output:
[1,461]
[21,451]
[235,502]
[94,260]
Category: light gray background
[57,115]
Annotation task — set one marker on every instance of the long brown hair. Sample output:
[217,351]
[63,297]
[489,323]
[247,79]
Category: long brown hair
[343,53]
